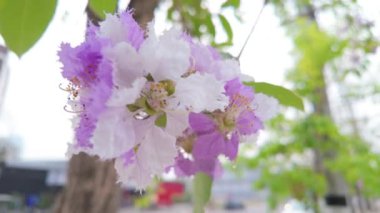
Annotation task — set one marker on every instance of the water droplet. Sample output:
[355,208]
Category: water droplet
[141,115]
[229,135]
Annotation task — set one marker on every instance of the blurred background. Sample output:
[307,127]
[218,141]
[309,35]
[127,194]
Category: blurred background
[324,159]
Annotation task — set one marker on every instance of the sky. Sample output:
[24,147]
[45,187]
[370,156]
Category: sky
[33,110]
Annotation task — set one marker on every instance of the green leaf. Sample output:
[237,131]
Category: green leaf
[133,107]
[202,190]
[227,27]
[169,86]
[231,3]
[22,22]
[210,25]
[284,96]
[101,7]
[161,120]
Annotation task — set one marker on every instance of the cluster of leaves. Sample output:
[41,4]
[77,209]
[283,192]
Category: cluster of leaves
[21,33]
[317,51]
[284,175]
[287,167]
[314,49]
[359,166]
[198,21]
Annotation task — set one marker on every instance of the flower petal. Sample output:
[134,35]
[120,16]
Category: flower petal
[155,152]
[248,123]
[123,29]
[266,107]
[167,57]
[127,64]
[177,122]
[200,92]
[114,134]
[209,145]
[201,123]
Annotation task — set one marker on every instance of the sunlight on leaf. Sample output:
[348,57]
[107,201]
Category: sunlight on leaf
[22,22]
[284,96]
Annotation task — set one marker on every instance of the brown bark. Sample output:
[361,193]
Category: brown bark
[143,10]
[91,185]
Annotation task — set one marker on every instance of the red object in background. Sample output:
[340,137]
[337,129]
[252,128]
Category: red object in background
[167,190]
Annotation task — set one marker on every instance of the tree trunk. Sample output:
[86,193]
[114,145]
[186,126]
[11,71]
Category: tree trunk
[91,184]
[91,187]
[336,183]
[143,10]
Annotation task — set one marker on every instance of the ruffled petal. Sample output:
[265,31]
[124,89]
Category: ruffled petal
[167,57]
[200,92]
[266,107]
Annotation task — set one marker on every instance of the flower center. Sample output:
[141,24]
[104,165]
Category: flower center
[227,120]
[156,94]
[153,100]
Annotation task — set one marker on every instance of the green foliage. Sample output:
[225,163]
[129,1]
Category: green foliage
[202,190]
[281,173]
[161,120]
[314,50]
[198,21]
[22,22]
[301,183]
[284,96]
[101,7]
[359,166]
[231,3]
[227,28]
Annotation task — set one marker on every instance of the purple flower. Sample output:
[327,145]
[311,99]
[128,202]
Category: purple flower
[135,35]
[91,76]
[187,167]
[219,132]
[94,103]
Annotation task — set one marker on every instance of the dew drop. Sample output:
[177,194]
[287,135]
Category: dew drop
[229,135]
[141,115]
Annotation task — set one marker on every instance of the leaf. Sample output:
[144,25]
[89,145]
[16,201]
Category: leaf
[133,107]
[161,120]
[227,27]
[210,25]
[284,96]
[231,3]
[202,190]
[22,22]
[101,7]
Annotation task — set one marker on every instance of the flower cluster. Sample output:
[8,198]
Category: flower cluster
[152,103]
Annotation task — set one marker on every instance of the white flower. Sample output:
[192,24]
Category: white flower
[155,152]
[166,57]
[127,64]
[265,107]
[112,28]
[199,92]
[114,133]
[226,70]
[177,122]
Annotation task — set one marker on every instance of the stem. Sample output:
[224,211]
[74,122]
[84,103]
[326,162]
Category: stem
[252,30]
